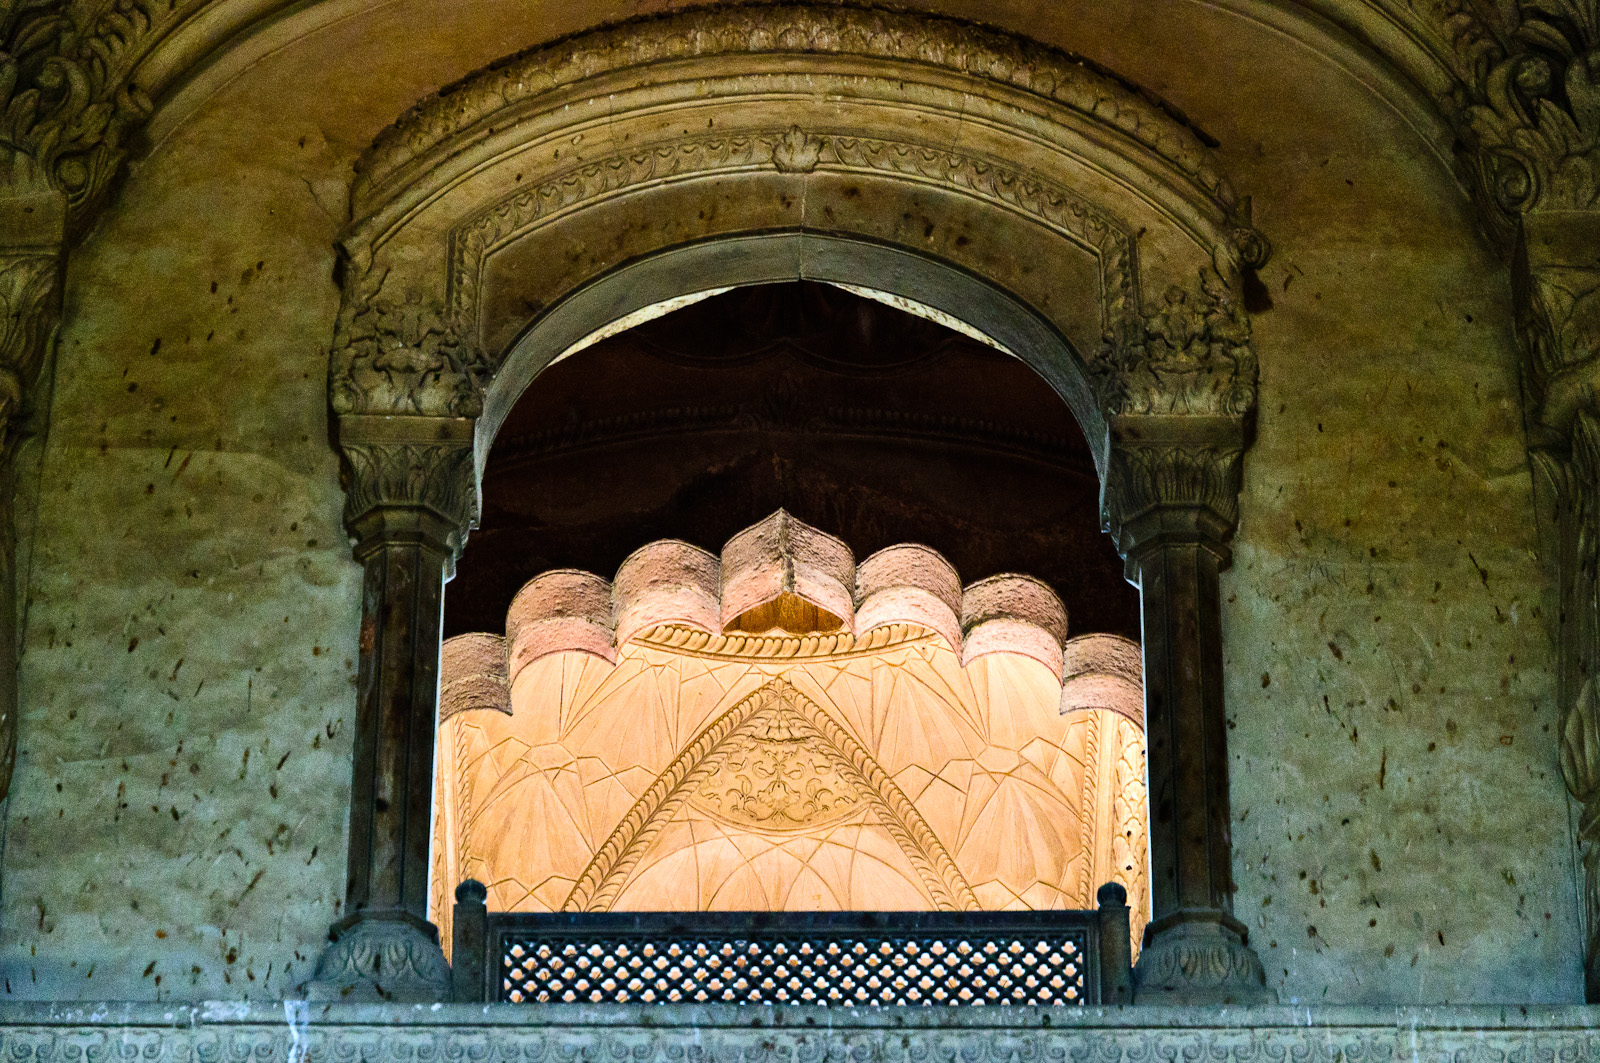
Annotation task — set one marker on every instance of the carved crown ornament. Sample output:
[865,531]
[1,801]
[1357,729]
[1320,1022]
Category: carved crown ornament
[781,591]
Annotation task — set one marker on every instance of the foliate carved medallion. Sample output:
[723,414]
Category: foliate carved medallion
[1561,329]
[401,356]
[1190,355]
[776,778]
[1535,127]
[29,294]
[69,107]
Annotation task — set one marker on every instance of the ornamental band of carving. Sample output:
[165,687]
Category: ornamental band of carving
[295,1032]
[950,44]
[1030,195]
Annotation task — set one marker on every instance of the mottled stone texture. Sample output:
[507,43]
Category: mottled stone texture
[177,821]
[296,1032]
[192,608]
[1401,833]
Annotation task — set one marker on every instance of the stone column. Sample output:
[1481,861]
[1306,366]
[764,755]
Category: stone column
[32,244]
[1558,289]
[409,505]
[1171,500]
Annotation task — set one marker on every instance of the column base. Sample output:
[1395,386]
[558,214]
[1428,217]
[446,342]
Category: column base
[382,954]
[1199,957]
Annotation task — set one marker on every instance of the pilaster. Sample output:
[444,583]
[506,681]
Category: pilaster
[1171,500]
[406,408]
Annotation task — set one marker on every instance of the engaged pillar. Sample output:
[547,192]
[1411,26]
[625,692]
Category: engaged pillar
[409,507]
[1171,500]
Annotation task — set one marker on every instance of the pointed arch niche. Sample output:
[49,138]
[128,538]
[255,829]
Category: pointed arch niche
[780,728]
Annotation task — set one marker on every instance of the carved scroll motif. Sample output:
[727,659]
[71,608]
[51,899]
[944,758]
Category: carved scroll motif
[776,709]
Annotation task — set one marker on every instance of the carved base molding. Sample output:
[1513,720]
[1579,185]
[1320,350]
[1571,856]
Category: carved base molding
[382,956]
[1199,962]
[298,1032]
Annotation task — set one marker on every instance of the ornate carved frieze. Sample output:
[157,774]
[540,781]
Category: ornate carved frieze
[1053,204]
[1534,128]
[29,298]
[776,29]
[68,109]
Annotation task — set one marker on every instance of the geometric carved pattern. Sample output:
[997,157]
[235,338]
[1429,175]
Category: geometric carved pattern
[708,772]
[836,965]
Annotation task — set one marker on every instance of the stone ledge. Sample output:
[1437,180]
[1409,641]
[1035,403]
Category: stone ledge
[298,1032]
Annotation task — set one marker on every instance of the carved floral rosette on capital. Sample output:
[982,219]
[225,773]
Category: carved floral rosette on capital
[406,389]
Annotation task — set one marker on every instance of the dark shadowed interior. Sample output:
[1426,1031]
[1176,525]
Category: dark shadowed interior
[868,422]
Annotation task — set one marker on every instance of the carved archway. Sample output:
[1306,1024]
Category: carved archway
[1021,190]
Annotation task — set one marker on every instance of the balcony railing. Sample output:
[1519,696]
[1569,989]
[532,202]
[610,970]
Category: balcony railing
[823,958]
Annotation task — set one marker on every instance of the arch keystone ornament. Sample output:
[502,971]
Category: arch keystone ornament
[1023,191]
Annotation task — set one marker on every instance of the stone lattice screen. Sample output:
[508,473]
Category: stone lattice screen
[636,746]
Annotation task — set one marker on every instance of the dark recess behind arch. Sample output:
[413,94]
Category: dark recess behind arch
[863,420]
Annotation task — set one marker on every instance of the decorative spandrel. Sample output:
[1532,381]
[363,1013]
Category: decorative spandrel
[687,769]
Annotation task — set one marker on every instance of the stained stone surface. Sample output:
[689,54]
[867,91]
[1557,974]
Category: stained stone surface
[296,1031]
[177,822]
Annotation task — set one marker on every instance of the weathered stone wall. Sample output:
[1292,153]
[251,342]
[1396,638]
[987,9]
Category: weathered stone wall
[179,807]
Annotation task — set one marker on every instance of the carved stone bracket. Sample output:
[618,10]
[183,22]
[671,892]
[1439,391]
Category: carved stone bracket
[1191,355]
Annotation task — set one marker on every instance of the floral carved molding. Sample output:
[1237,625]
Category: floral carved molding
[411,337]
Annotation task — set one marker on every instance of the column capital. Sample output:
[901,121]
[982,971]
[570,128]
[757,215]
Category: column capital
[1173,479]
[409,479]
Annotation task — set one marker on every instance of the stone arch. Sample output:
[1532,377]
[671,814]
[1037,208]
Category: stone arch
[1014,187]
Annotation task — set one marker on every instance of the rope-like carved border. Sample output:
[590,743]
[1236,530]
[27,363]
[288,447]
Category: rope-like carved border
[698,643]
[602,880]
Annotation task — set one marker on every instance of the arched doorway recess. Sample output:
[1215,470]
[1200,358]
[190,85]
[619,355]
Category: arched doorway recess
[1014,188]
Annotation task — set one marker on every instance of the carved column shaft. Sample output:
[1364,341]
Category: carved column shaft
[405,554]
[32,235]
[1171,496]
[409,504]
[1185,728]
[1557,275]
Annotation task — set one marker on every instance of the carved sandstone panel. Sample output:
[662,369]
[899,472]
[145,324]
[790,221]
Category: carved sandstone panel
[716,772]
